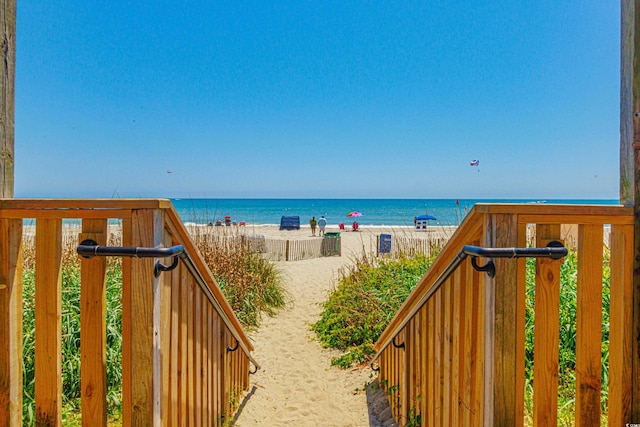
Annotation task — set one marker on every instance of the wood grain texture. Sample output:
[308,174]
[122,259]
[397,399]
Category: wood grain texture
[621,322]
[547,332]
[589,325]
[11,318]
[501,309]
[7,97]
[48,318]
[93,335]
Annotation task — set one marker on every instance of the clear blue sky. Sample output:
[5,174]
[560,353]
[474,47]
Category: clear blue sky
[318,99]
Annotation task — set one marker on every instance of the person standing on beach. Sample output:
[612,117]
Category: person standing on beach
[323,224]
[312,223]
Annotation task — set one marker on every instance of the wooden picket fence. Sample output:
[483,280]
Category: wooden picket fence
[281,249]
[300,249]
[453,355]
[186,359]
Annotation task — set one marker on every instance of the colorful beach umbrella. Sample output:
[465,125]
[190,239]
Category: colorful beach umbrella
[353,214]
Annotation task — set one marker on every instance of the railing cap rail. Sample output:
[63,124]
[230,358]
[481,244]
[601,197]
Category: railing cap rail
[470,230]
[84,204]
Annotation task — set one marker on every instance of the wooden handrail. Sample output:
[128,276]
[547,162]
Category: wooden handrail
[461,361]
[177,328]
[177,252]
[177,226]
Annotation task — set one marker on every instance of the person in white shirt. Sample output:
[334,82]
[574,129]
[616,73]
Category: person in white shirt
[322,223]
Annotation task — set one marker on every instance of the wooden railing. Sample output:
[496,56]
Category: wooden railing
[185,357]
[454,354]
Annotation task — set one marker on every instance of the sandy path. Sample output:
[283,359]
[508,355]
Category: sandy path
[297,384]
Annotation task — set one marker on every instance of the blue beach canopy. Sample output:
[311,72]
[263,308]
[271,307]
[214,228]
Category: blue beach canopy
[426,217]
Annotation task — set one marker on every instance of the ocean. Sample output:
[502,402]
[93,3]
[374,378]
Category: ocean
[375,212]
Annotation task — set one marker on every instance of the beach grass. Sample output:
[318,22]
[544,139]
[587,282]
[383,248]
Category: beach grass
[251,283]
[365,300]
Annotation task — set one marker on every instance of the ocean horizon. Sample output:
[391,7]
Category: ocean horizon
[375,212]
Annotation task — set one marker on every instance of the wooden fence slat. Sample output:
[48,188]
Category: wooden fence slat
[142,305]
[546,338]
[11,319]
[163,315]
[185,286]
[191,377]
[521,318]
[417,365]
[621,321]
[406,392]
[48,318]
[431,356]
[589,325]
[446,354]
[127,378]
[438,392]
[478,334]
[466,293]
[93,332]
[174,368]
[424,351]
[210,357]
[457,327]
[198,356]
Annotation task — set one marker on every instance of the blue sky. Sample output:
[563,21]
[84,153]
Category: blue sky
[307,99]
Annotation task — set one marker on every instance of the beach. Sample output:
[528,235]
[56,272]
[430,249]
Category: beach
[296,384]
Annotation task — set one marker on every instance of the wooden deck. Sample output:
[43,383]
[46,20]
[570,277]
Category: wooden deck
[454,355]
[186,358]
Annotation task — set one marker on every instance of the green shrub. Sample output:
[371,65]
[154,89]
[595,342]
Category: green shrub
[251,283]
[364,302]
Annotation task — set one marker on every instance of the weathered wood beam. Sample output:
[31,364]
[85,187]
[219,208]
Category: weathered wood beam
[7,94]
[630,163]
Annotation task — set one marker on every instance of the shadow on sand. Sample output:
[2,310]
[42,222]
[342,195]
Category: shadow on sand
[378,407]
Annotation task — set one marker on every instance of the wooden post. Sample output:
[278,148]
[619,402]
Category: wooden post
[11,321]
[7,92]
[93,335]
[141,307]
[500,396]
[630,164]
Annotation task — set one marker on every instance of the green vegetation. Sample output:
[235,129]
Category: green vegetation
[251,284]
[366,298]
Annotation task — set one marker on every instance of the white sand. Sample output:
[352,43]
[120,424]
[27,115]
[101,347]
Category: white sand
[297,386]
